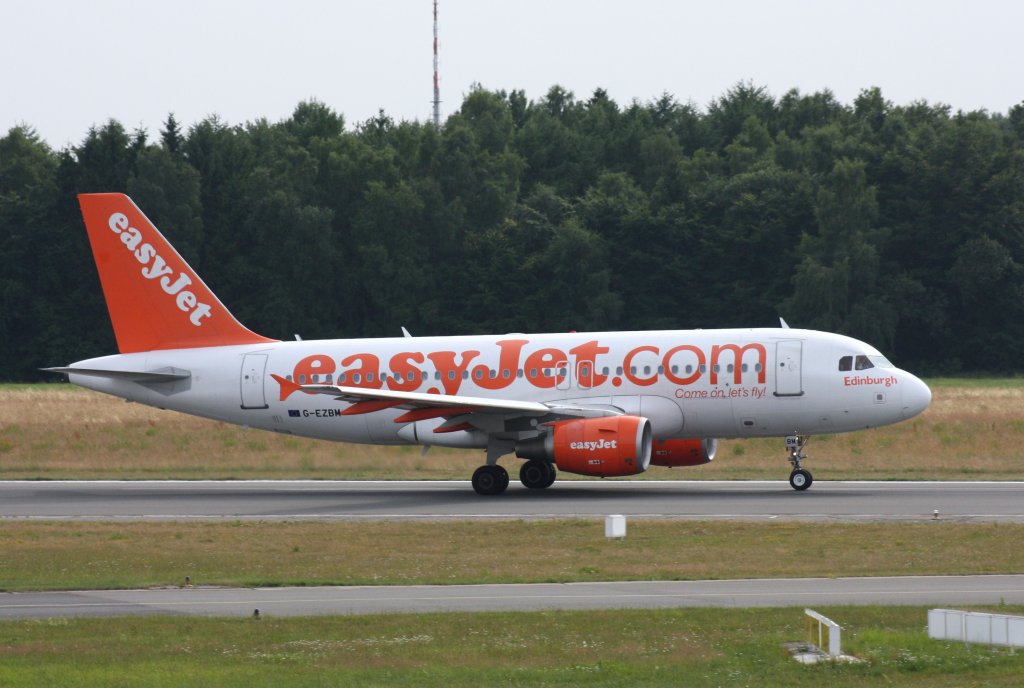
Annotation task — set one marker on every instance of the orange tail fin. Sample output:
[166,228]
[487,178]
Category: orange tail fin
[155,299]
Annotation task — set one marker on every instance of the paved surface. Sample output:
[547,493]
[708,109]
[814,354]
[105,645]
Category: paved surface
[931,590]
[755,500]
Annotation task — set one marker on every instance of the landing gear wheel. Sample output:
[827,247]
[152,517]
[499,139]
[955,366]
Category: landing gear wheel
[800,479]
[537,475]
[490,480]
[552,474]
[503,477]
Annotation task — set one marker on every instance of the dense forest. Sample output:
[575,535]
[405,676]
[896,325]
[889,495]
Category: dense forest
[902,225]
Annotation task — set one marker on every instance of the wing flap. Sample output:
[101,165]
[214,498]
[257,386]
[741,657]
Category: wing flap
[411,401]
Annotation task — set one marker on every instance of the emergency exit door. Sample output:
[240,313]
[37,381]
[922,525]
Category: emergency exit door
[788,378]
[253,369]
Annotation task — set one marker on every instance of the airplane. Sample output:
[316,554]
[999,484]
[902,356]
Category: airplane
[596,403]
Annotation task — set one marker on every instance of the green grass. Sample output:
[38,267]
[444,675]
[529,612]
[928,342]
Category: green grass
[972,431]
[85,555]
[975,382]
[689,647]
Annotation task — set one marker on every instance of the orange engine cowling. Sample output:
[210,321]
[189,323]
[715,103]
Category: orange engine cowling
[675,453]
[605,447]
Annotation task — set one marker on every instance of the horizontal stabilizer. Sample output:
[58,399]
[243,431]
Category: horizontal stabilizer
[150,377]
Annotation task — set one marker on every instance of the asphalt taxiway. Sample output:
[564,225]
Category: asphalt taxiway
[342,500]
[326,500]
[911,590]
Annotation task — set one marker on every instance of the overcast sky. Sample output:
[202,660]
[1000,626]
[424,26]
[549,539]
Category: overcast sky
[71,64]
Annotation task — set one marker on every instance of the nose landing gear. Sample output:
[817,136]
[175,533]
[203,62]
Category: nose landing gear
[800,479]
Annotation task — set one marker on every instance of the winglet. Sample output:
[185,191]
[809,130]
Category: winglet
[156,301]
[287,386]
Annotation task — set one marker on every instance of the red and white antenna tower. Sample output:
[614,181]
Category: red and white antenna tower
[437,79]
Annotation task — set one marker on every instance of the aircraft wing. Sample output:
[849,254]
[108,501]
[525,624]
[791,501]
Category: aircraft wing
[461,411]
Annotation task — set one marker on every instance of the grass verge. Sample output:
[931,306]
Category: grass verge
[87,555]
[692,647]
[974,430]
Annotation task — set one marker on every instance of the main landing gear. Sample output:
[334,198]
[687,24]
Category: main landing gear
[492,479]
[537,475]
[800,479]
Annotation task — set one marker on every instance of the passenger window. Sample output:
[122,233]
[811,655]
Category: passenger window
[343,378]
[863,363]
[846,363]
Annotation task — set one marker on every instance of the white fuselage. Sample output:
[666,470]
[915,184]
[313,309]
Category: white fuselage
[690,384]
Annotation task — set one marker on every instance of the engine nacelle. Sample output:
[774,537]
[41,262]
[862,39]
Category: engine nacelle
[605,447]
[675,453]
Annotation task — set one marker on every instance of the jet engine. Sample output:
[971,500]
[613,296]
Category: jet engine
[675,453]
[605,447]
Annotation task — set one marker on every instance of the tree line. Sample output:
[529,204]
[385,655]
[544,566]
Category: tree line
[902,225]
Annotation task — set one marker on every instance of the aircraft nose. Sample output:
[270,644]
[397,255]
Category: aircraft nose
[916,395]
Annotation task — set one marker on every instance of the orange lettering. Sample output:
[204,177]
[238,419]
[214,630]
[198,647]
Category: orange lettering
[546,359]
[627,364]
[738,352]
[507,360]
[317,364]
[586,364]
[369,372]
[406,376]
[451,374]
[667,362]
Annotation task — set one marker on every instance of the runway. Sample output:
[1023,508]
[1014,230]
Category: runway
[327,500]
[914,590]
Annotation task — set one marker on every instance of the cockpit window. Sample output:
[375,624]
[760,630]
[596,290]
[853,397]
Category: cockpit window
[881,362]
[846,363]
[863,363]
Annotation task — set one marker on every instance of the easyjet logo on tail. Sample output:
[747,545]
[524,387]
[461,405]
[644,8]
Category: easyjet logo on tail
[155,267]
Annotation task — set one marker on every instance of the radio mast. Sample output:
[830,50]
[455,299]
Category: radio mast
[437,79]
